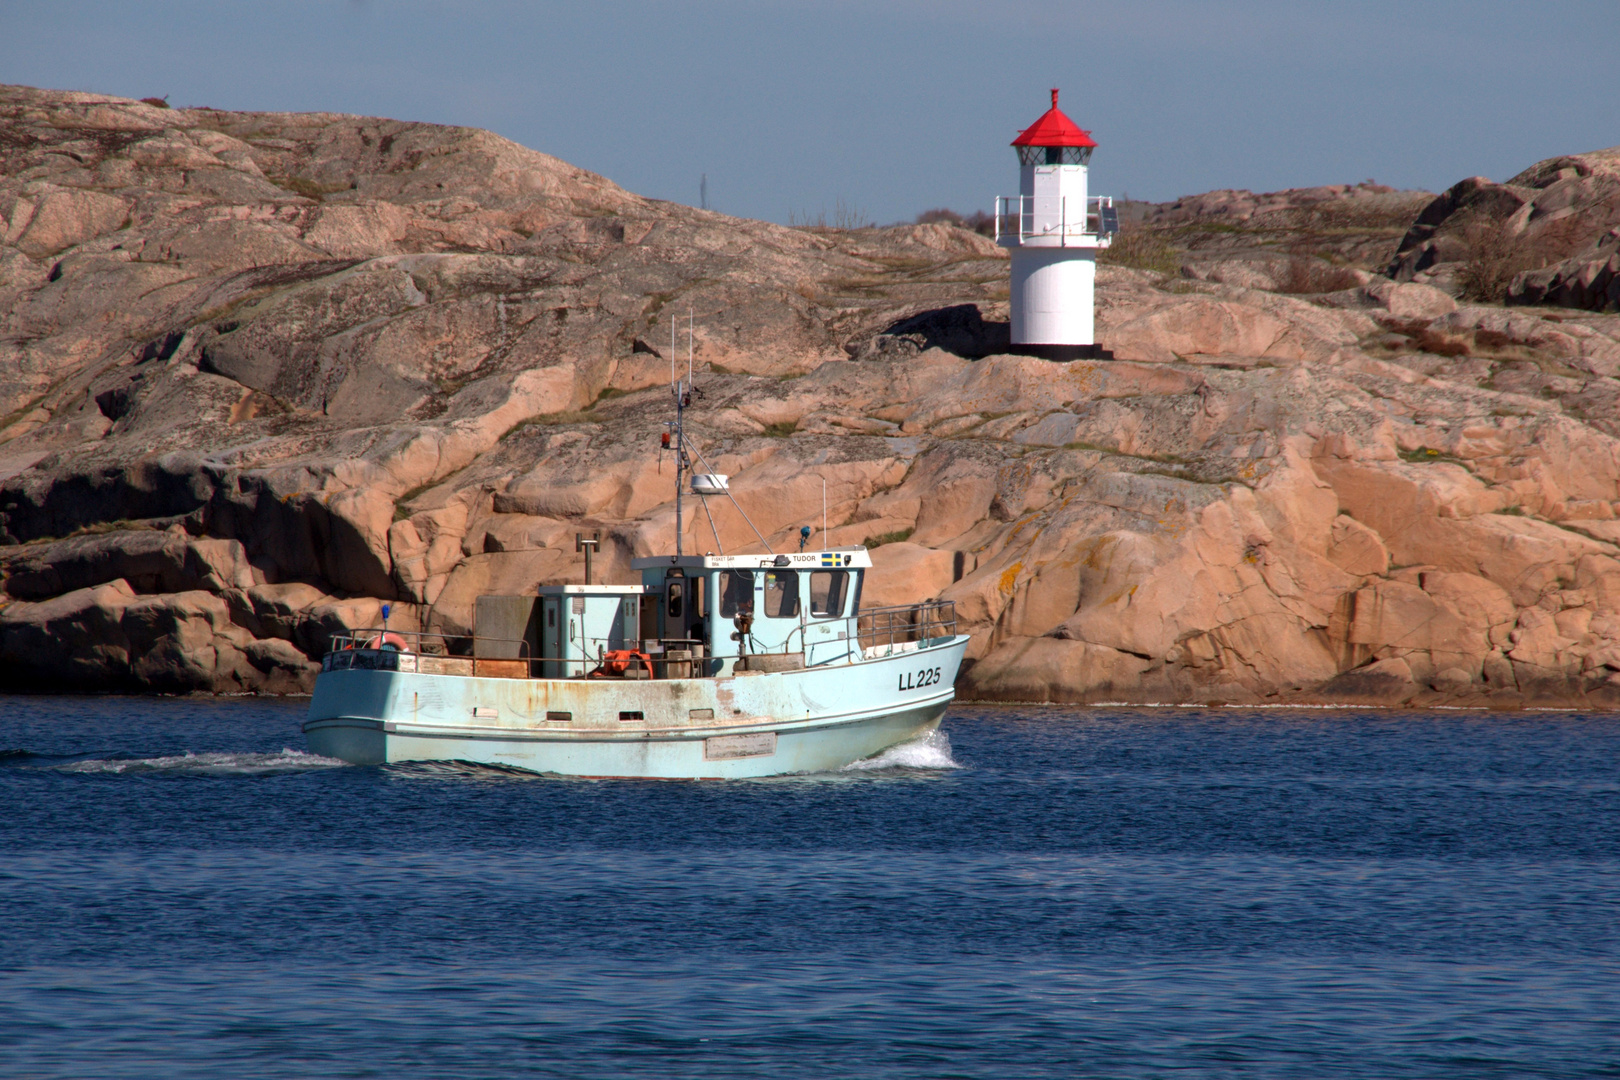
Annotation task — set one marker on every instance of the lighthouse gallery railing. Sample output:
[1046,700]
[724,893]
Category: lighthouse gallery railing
[1016,216]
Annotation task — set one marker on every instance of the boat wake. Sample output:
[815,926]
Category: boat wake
[206,764]
[931,752]
[461,770]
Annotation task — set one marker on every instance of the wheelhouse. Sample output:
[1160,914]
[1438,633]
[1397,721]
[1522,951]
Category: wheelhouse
[736,611]
[691,616]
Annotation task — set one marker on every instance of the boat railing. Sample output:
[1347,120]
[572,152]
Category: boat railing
[885,629]
[382,637]
[871,633]
[876,631]
[431,653]
[428,652]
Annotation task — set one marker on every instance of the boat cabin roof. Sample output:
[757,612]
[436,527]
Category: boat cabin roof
[850,558]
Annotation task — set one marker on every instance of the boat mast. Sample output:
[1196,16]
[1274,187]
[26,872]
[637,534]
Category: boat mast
[682,389]
[680,440]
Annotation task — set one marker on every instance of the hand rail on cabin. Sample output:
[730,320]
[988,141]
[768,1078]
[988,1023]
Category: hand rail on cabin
[894,625]
[902,624]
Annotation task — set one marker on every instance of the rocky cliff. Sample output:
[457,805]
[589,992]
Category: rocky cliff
[263,372]
[1550,235]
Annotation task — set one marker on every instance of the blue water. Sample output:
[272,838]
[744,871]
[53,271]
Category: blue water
[1052,893]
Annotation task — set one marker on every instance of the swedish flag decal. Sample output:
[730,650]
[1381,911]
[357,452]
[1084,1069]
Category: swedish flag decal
[829,559]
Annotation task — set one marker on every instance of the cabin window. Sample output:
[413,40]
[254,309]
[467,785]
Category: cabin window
[782,595]
[700,596]
[737,593]
[827,588]
[675,599]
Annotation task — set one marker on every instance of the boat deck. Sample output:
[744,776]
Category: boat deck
[813,644]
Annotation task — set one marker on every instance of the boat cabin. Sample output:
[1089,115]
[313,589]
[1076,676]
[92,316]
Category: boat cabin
[752,612]
[691,616]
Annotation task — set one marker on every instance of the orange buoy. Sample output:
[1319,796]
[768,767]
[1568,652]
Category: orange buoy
[617,661]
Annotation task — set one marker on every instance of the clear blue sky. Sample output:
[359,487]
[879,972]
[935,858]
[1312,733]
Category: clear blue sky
[893,106]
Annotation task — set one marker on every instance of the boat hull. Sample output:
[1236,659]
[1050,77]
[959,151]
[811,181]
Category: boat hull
[746,725]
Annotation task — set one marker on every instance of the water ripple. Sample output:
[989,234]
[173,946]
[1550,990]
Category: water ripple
[1041,893]
[227,763]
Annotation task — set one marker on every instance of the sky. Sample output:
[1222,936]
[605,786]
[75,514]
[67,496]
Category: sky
[794,108]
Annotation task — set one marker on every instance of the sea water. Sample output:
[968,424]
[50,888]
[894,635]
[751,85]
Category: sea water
[1054,892]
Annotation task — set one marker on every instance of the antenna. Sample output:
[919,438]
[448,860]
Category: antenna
[703,191]
[823,513]
[689,346]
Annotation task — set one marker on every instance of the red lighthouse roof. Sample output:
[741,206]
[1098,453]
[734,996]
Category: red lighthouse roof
[1054,129]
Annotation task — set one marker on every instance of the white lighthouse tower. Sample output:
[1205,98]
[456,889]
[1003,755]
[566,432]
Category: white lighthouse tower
[1053,229]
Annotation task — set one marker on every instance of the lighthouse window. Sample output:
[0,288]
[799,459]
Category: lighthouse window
[782,595]
[1054,155]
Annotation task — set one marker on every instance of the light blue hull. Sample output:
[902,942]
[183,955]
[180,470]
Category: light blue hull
[745,725]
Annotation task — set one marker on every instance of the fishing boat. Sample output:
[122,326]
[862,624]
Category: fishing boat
[709,666]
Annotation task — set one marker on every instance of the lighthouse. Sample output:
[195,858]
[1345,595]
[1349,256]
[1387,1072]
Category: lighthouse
[1053,230]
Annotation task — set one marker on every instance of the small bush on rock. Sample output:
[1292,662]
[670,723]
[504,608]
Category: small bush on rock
[1311,276]
[888,538]
[845,216]
[1439,343]
[1493,256]
[1491,261]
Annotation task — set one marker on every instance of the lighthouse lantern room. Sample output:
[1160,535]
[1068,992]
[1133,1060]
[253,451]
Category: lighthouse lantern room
[1053,230]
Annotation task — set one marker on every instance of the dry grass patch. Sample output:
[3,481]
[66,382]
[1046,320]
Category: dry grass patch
[1441,343]
[1141,248]
[888,538]
[1308,276]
